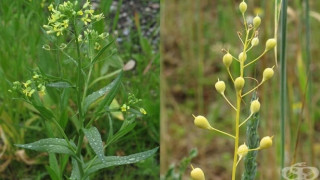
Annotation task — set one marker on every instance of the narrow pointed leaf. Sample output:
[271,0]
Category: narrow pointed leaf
[112,93]
[60,84]
[95,142]
[101,51]
[96,95]
[117,161]
[50,145]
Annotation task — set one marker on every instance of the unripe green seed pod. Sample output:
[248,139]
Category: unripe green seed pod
[202,122]
[239,83]
[256,21]
[271,43]
[197,174]
[255,106]
[255,41]
[227,59]
[267,74]
[243,150]
[266,142]
[220,86]
[243,7]
[242,57]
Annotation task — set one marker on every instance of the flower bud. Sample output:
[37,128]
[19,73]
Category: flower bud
[220,86]
[201,122]
[271,43]
[267,74]
[255,106]
[227,60]
[242,57]
[256,21]
[266,142]
[255,41]
[243,7]
[197,174]
[239,83]
[242,150]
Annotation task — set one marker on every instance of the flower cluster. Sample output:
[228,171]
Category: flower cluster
[133,102]
[250,41]
[64,14]
[28,88]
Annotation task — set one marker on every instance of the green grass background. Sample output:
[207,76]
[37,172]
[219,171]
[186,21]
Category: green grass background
[21,41]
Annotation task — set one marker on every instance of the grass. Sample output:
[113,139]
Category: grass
[283,79]
[21,50]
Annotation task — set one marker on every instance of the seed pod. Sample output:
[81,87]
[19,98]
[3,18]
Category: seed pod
[266,142]
[255,106]
[255,41]
[227,60]
[242,57]
[242,150]
[243,7]
[267,74]
[239,83]
[220,87]
[197,174]
[256,21]
[201,122]
[271,43]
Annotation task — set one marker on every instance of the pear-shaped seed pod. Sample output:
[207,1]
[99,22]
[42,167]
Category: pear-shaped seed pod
[202,122]
[197,174]
[243,150]
[220,87]
[266,142]
[243,7]
[227,59]
[271,43]
[239,83]
[255,41]
[255,106]
[256,21]
[242,56]
[267,74]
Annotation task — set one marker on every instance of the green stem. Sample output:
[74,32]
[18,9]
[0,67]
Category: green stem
[236,144]
[264,52]
[222,132]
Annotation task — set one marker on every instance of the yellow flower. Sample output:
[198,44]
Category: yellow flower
[124,108]
[50,7]
[143,111]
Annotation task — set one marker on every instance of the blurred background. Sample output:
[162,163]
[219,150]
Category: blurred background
[136,26]
[193,33]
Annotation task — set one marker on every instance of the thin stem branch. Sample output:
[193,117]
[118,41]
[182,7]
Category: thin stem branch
[229,102]
[222,132]
[246,120]
[228,69]
[252,89]
[264,52]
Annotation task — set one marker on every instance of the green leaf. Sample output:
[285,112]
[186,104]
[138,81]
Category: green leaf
[50,145]
[112,91]
[101,51]
[95,141]
[117,161]
[53,162]
[44,112]
[53,175]
[60,84]
[75,173]
[120,134]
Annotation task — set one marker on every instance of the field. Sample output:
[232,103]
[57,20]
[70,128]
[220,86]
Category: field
[193,33]
[26,49]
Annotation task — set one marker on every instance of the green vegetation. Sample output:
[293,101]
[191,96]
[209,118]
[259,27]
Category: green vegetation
[69,91]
